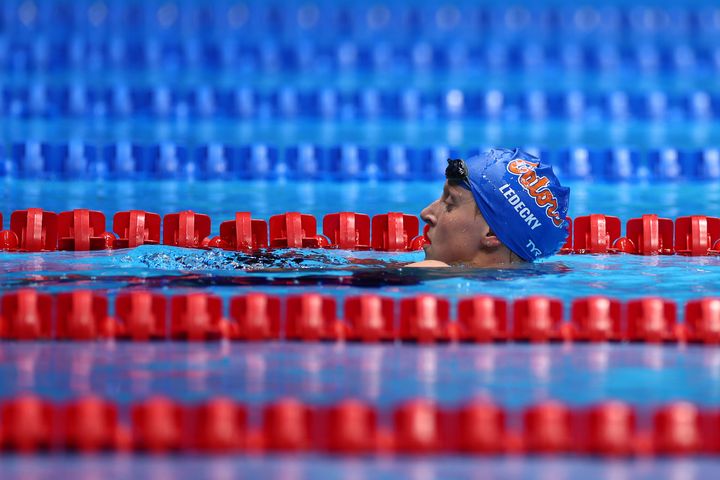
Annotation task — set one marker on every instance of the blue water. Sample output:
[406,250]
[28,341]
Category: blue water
[311,467]
[515,376]
[221,200]
[170,269]
[342,273]
[306,69]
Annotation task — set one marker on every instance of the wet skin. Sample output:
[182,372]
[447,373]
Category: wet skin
[458,233]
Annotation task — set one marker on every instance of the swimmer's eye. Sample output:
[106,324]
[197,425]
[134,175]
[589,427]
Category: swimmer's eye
[449,206]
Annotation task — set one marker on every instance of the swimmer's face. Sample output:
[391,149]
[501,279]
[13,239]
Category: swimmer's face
[458,230]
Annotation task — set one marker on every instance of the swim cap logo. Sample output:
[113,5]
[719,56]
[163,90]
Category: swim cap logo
[536,187]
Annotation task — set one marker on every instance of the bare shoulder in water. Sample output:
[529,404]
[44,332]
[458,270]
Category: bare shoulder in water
[428,264]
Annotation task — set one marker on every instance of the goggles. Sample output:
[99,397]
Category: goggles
[457,171]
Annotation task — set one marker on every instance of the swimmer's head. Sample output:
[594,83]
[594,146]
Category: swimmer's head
[498,207]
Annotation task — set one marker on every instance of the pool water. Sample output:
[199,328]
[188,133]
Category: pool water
[514,375]
[344,273]
[365,89]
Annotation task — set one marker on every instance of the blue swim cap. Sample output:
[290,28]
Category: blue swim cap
[521,199]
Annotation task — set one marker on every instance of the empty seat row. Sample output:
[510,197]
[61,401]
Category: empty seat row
[39,100]
[160,425]
[345,162]
[82,315]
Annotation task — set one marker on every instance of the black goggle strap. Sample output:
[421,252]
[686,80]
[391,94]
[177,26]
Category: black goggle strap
[457,170]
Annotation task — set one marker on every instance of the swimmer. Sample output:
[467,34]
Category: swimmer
[499,208]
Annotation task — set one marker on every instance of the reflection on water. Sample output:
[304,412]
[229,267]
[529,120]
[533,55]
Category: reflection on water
[160,266]
[342,273]
[313,467]
[514,375]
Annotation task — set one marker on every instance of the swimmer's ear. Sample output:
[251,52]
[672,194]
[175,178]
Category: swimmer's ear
[492,240]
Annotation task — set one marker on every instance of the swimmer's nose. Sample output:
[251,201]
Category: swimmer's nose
[428,214]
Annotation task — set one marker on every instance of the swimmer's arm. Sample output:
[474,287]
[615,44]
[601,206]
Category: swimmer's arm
[428,263]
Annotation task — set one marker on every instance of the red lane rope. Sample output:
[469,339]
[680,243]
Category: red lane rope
[160,425]
[37,230]
[83,315]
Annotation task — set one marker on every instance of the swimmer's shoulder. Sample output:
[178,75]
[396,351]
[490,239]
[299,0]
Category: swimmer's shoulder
[428,264]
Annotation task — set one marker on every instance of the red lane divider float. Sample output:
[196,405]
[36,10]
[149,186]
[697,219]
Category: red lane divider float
[596,319]
[160,425]
[396,232]
[135,228]
[695,236]
[142,315]
[244,234]
[595,233]
[370,318]
[36,230]
[31,230]
[256,316]
[649,235]
[424,319]
[295,230]
[82,230]
[482,319]
[347,230]
[26,315]
[537,319]
[311,317]
[83,315]
[197,316]
[186,229]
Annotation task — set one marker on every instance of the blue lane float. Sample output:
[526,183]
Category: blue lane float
[345,162]
[346,19]
[124,101]
[234,52]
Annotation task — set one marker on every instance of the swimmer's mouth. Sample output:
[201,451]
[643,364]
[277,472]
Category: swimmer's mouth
[425,234]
